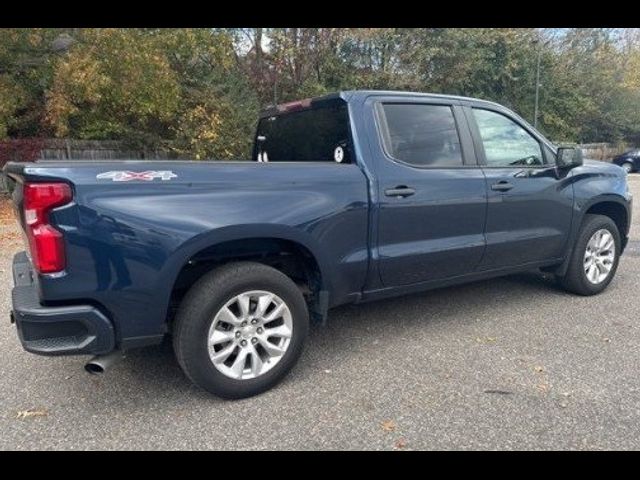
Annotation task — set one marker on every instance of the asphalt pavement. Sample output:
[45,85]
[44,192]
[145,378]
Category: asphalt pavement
[511,363]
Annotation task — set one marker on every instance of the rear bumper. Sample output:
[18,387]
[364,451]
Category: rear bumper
[60,330]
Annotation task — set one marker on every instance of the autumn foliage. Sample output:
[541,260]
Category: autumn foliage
[20,150]
[197,92]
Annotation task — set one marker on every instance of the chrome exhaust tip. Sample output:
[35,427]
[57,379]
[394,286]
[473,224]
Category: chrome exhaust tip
[100,363]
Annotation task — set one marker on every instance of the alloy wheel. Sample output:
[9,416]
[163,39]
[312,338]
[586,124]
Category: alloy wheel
[599,256]
[250,334]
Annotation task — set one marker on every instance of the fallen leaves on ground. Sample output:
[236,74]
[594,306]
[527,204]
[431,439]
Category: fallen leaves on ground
[10,241]
[400,443]
[33,412]
[6,210]
[544,387]
[9,236]
[486,339]
[388,425]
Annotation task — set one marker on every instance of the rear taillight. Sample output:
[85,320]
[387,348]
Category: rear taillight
[45,242]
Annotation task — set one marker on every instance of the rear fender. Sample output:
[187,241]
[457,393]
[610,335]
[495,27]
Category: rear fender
[243,232]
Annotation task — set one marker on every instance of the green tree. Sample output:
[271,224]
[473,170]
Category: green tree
[25,70]
[113,84]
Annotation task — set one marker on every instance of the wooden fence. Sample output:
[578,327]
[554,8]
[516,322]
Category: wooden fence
[602,151]
[66,149]
[52,149]
[69,149]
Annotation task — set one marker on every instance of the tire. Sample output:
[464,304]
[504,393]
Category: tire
[628,167]
[204,312]
[576,280]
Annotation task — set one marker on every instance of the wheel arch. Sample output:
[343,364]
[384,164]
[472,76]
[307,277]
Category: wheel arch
[616,211]
[611,205]
[286,249]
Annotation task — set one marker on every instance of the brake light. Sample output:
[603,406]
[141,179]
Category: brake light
[293,106]
[45,242]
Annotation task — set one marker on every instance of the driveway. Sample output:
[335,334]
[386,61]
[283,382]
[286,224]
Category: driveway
[512,363]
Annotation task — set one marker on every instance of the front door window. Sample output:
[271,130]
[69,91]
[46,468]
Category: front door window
[506,144]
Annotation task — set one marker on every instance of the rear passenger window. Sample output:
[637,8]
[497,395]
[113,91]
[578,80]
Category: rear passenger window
[421,135]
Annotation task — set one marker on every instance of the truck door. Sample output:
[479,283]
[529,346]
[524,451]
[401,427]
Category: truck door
[530,205]
[431,194]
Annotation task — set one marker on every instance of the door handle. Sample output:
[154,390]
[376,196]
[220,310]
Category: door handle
[399,191]
[501,186]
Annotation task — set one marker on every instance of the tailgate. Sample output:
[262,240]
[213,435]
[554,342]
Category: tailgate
[13,174]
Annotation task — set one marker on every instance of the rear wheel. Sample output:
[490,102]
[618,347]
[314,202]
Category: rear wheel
[594,259]
[240,329]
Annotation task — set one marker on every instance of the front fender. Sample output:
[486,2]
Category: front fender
[580,210]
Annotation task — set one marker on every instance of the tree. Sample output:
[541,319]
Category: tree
[24,70]
[152,88]
[114,83]
[197,92]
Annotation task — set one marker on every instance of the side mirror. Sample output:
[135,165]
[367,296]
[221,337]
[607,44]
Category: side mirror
[569,157]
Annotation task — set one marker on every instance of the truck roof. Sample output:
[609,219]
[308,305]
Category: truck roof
[351,95]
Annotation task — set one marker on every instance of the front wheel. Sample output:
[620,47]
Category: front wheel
[595,256]
[240,329]
[627,167]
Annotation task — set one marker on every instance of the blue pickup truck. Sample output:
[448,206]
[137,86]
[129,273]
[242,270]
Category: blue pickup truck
[351,197]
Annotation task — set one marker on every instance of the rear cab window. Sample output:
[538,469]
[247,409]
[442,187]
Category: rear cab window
[305,131]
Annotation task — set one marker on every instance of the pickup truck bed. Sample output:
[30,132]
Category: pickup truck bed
[141,247]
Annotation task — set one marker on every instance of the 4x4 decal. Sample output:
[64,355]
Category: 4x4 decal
[127,176]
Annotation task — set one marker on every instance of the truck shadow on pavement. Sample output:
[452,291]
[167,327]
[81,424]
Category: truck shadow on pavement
[350,327]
